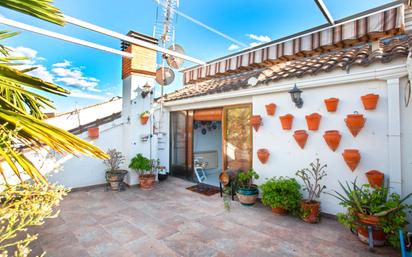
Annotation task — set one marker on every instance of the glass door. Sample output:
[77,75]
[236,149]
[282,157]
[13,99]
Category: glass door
[180,144]
[237,138]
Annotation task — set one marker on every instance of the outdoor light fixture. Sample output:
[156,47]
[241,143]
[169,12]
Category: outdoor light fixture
[295,94]
[146,89]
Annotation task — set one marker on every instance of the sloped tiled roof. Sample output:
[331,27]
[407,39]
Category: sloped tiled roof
[361,55]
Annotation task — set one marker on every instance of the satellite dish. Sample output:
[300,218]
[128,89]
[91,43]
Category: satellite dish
[165,76]
[172,61]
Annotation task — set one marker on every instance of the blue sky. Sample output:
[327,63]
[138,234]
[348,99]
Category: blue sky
[95,76]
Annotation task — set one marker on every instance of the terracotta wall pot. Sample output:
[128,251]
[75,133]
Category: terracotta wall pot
[370,101]
[270,109]
[144,119]
[256,122]
[331,104]
[93,132]
[375,178]
[263,155]
[313,121]
[301,137]
[279,211]
[147,181]
[311,211]
[352,158]
[355,123]
[332,138]
[286,121]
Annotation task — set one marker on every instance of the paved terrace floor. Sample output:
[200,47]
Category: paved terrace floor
[172,221]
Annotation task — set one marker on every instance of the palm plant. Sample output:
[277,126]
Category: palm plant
[21,107]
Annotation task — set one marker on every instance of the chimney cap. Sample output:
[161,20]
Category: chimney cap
[140,36]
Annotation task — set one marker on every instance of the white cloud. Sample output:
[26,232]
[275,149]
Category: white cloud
[74,77]
[233,47]
[63,64]
[42,73]
[261,38]
[253,44]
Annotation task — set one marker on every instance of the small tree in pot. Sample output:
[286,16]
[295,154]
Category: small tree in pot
[312,177]
[281,194]
[246,191]
[143,167]
[114,175]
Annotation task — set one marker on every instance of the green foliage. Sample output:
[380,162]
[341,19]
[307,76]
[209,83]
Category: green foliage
[282,192]
[22,206]
[364,200]
[244,179]
[312,178]
[145,113]
[141,164]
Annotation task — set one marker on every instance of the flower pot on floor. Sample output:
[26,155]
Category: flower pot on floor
[93,132]
[301,137]
[247,196]
[332,139]
[147,181]
[256,122]
[279,211]
[355,122]
[162,177]
[378,235]
[313,121]
[352,158]
[286,121]
[375,178]
[115,179]
[263,155]
[331,104]
[370,101]
[270,109]
[310,211]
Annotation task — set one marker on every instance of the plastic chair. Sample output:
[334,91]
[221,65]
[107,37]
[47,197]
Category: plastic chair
[405,252]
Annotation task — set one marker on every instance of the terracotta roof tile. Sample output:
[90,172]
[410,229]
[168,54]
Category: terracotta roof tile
[388,50]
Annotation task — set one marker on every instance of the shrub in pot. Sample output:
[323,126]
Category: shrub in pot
[311,177]
[246,191]
[143,167]
[384,211]
[114,175]
[162,173]
[281,194]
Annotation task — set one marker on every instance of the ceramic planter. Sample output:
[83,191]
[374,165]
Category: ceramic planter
[313,121]
[331,104]
[311,211]
[352,158]
[256,122]
[93,132]
[247,196]
[147,181]
[377,234]
[270,109]
[279,211]
[263,155]
[144,119]
[286,121]
[332,139]
[224,178]
[355,122]
[301,137]
[115,179]
[375,178]
[370,101]
[162,176]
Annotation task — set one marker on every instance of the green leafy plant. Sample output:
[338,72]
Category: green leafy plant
[244,179]
[312,179]
[145,113]
[379,202]
[141,164]
[282,192]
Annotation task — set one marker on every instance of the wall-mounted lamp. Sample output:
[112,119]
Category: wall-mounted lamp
[146,89]
[295,93]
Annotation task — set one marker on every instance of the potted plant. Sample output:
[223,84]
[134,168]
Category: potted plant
[144,117]
[311,177]
[162,173]
[374,207]
[143,166]
[246,191]
[114,175]
[281,194]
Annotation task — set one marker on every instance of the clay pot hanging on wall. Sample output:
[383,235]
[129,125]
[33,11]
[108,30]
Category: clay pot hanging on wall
[370,101]
[352,158]
[93,132]
[263,155]
[301,137]
[332,138]
[286,121]
[375,178]
[355,123]
[270,109]
[256,122]
[313,121]
[331,104]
